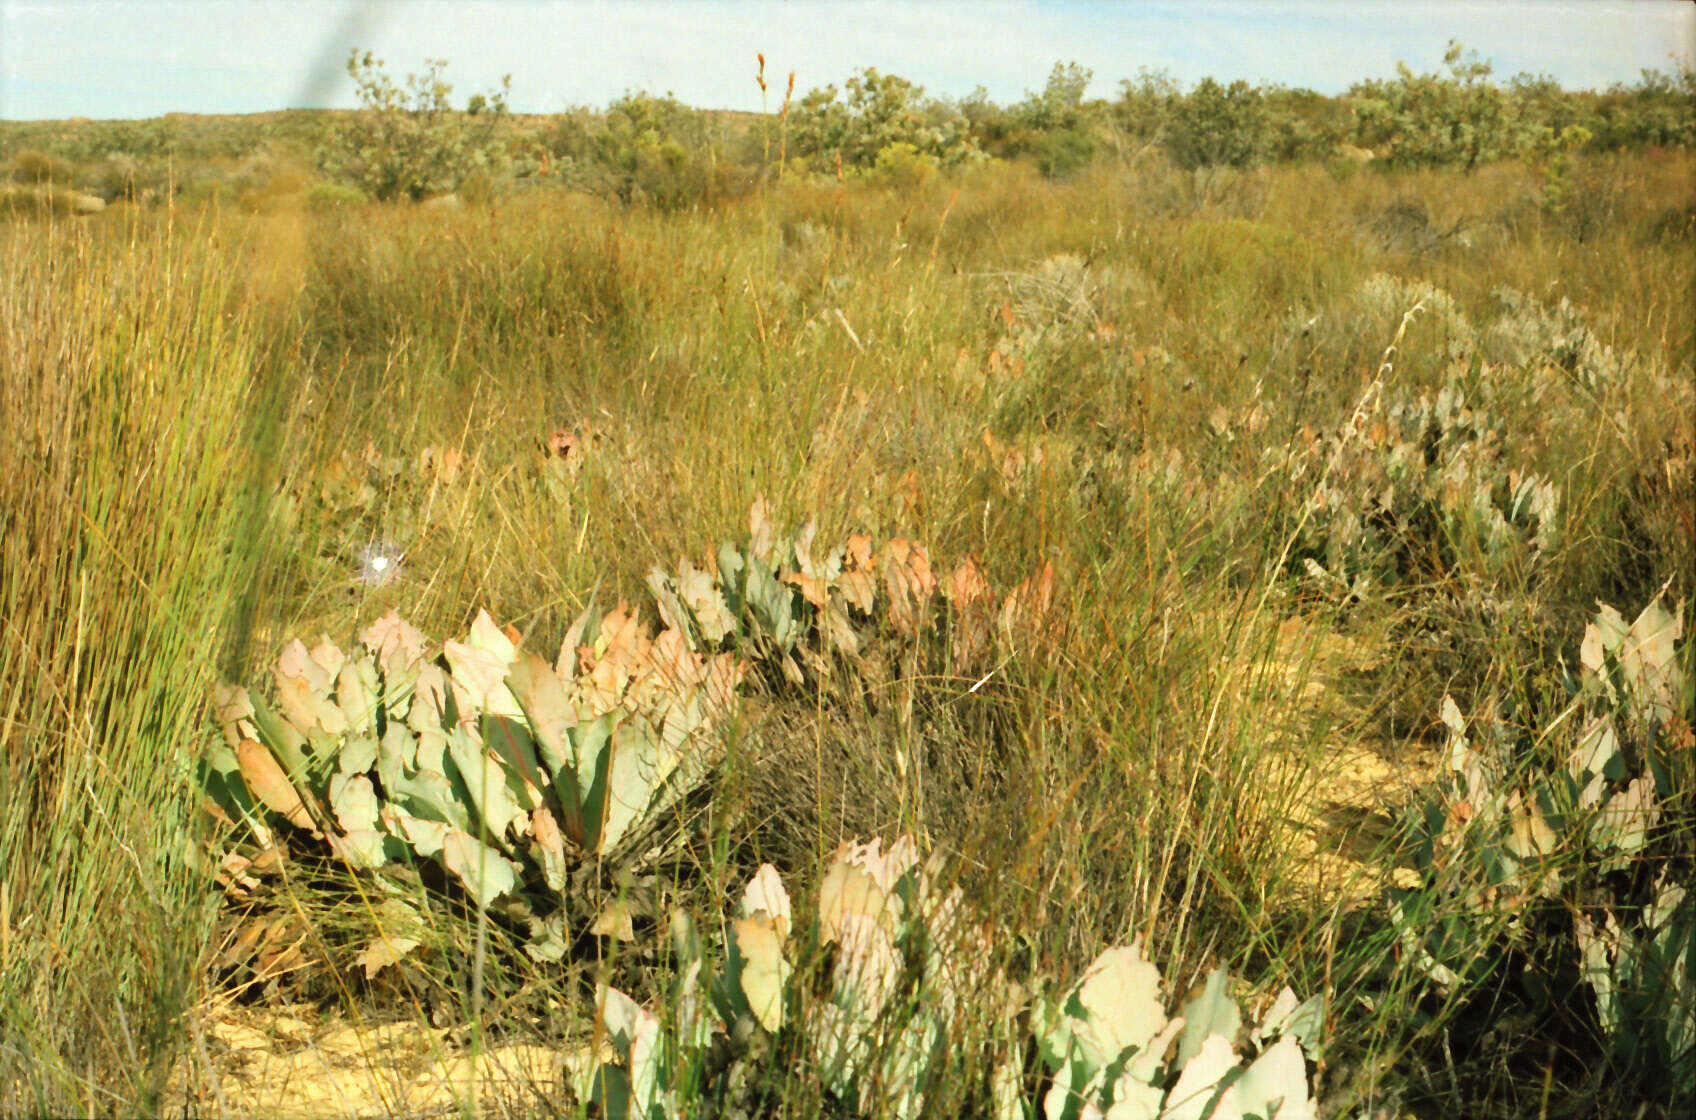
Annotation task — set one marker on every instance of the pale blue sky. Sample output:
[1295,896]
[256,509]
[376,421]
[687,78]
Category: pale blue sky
[138,58]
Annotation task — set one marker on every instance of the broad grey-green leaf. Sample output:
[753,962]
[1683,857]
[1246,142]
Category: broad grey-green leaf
[1007,1092]
[765,895]
[358,754]
[1211,1012]
[284,739]
[429,795]
[354,801]
[1602,636]
[1148,1063]
[547,848]
[358,696]
[486,780]
[399,687]
[1192,1097]
[1114,1008]
[1591,759]
[759,968]
[692,603]
[1649,659]
[485,872]
[385,950]
[583,631]
[322,752]
[396,754]
[1304,1019]
[232,708]
[429,708]
[731,567]
[848,889]
[548,942]
[772,605]
[479,667]
[1626,819]
[591,741]
[762,534]
[636,775]
[510,741]
[868,966]
[679,718]
[841,1048]
[365,848]
[701,595]
[422,835]
[548,710]
[1274,1086]
[432,750]
[396,644]
[672,614]
[271,785]
[635,1034]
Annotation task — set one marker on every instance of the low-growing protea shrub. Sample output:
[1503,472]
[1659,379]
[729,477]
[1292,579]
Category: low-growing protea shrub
[785,601]
[1417,488]
[888,995]
[510,772]
[530,781]
[1572,845]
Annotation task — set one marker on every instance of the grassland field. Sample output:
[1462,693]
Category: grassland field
[1261,468]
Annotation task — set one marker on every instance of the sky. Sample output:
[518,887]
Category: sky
[143,58]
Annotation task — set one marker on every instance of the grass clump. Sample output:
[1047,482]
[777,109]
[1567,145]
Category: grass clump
[126,405]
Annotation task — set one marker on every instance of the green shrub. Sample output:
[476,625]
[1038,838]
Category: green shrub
[903,167]
[902,1012]
[879,110]
[1427,120]
[1219,126]
[326,195]
[1573,847]
[38,167]
[37,202]
[411,143]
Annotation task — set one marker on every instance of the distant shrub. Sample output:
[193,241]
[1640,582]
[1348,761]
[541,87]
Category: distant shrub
[1055,126]
[903,166]
[327,195]
[117,177]
[1659,110]
[655,150]
[37,202]
[879,110]
[1429,120]
[1219,126]
[38,167]
[1304,126]
[1146,106]
[410,143]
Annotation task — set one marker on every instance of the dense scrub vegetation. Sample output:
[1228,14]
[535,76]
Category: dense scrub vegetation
[1074,497]
[408,139]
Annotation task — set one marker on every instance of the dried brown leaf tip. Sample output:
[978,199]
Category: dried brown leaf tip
[857,581]
[1029,607]
[907,579]
[440,465]
[564,450]
[972,601]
